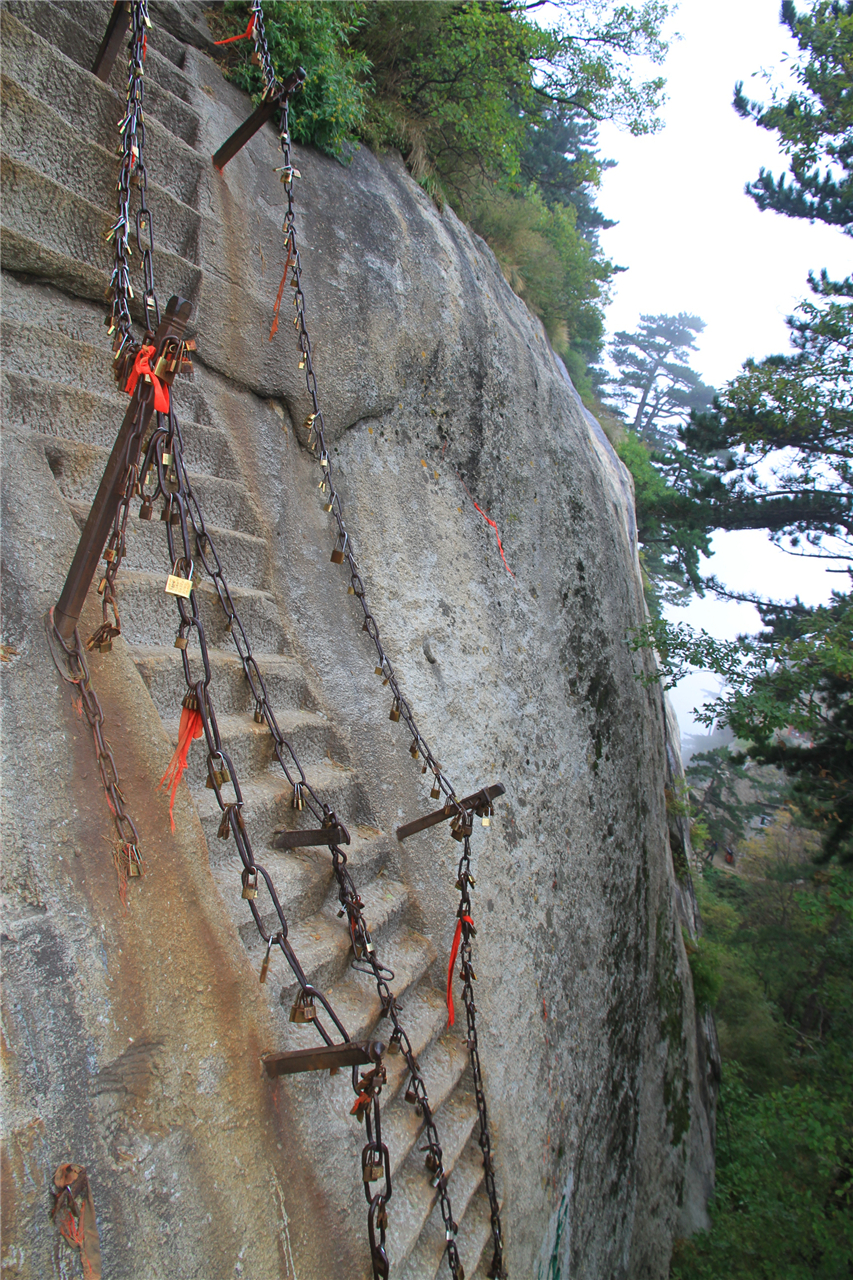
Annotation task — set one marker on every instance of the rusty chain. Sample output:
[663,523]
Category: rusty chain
[70,661]
[401,708]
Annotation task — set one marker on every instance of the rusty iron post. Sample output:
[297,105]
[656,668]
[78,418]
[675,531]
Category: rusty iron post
[103,509]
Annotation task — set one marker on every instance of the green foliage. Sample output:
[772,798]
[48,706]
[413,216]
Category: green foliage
[728,793]
[777,449]
[814,121]
[547,262]
[789,695]
[670,528]
[315,34]
[783,1205]
[704,962]
[560,158]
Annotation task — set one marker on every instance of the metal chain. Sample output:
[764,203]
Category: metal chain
[182,511]
[343,551]
[132,172]
[70,661]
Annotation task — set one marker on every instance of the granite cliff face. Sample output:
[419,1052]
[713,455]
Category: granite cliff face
[132,1039]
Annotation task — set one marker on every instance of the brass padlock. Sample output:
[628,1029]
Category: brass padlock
[110,554]
[181,642]
[303,1009]
[146,511]
[297,801]
[327,506]
[259,715]
[395,711]
[436,791]
[373,1172]
[166,459]
[178,586]
[413,751]
[190,700]
[411,1096]
[250,885]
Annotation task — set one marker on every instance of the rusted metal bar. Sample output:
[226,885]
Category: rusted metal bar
[323,1057]
[112,41]
[480,802]
[256,121]
[337,834]
[103,509]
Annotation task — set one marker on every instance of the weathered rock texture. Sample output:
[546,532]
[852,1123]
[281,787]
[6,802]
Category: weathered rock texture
[132,1040]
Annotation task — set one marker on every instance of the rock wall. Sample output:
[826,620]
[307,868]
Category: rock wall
[132,1039]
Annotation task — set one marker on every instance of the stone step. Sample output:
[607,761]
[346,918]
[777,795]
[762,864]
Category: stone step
[475,1241]
[56,409]
[53,234]
[244,558]
[442,1065]
[303,878]
[426,1258]
[76,30]
[285,680]
[73,363]
[322,941]
[355,999]
[250,745]
[150,616]
[86,162]
[78,468]
[267,804]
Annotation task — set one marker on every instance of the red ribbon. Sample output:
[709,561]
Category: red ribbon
[277,306]
[189,730]
[454,951]
[245,36]
[142,365]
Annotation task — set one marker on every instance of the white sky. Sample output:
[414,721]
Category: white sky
[694,242]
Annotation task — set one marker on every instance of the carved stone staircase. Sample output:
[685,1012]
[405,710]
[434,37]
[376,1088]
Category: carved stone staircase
[59,172]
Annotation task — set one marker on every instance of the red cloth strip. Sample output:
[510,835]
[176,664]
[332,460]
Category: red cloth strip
[245,36]
[454,951]
[277,306]
[142,365]
[189,730]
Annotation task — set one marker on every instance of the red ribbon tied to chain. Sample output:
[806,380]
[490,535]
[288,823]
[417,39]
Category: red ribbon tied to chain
[142,366]
[245,36]
[454,952]
[190,729]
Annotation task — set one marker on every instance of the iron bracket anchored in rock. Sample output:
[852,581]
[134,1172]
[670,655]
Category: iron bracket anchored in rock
[335,834]
[480,803]
[257,120]
[323,1057]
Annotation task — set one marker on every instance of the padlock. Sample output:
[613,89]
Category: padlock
[303,1009]
[395,711]
[373,1172]
[432,1161]
[259,715]
[265,963]
[413,751]
[190,700]
[250,885]
[181,642]
[178,586]
[133,867]
[146,510]
[166,459]
[110,554]
[327,506]
[411,1096]
[297,801]
[436,790]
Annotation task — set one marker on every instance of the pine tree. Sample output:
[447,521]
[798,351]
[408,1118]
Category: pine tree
[814,123]
[656,384]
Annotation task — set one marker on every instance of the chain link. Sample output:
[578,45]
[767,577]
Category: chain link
[132,172]
[418,747]
[70,661]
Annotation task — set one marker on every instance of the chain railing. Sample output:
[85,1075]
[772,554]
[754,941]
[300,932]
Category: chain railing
[401,709]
